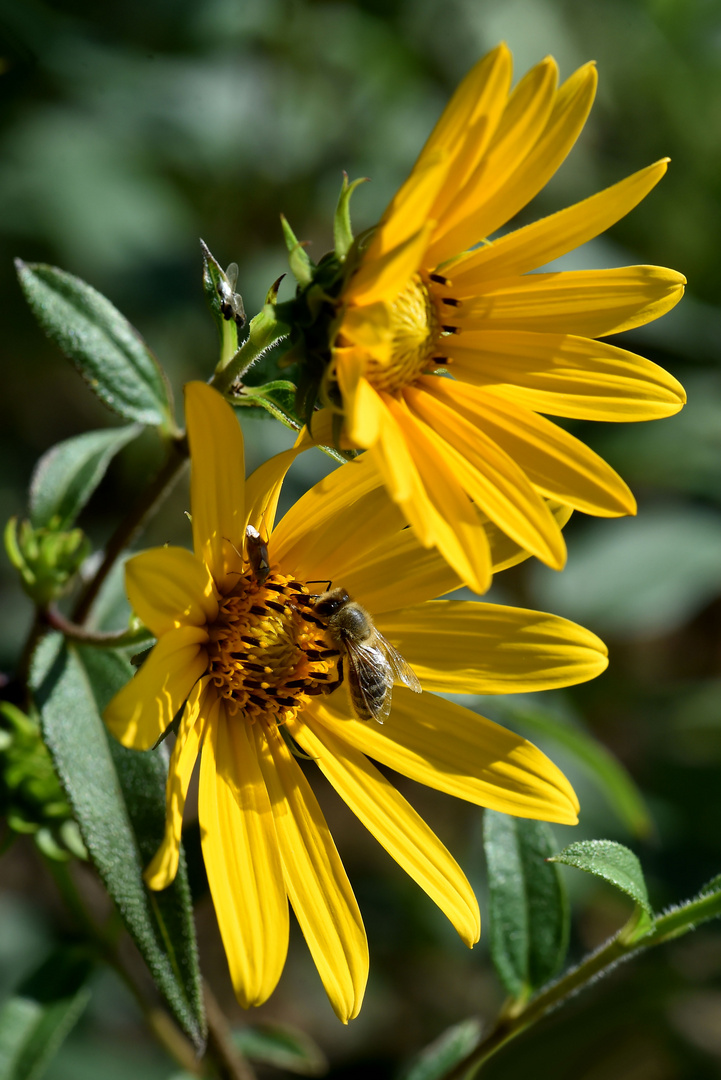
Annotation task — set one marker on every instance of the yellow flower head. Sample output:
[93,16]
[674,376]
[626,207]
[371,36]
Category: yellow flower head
[432,291]
[248,655]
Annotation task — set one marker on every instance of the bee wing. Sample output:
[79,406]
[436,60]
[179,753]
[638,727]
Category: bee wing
[369,667]
[232,275]
[402,670]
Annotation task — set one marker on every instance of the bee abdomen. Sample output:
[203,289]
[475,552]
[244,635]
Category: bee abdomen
[368,701]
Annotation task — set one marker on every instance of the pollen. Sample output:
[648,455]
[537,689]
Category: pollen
[415,327]
[268,655]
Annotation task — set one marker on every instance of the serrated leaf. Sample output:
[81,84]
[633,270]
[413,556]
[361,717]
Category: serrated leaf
[611,777]
[118,799]
[282,1046]
[107,351]
[527,902]
[611,861]
[447,1050]
[68,474]
[36,1020]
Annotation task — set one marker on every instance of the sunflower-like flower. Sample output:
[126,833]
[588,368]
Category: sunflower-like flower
[435,290]
[247,656]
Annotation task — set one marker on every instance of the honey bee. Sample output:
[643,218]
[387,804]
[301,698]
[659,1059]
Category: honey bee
[231,302]
[373,664]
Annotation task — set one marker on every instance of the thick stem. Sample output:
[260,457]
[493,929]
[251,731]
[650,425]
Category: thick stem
[149,500]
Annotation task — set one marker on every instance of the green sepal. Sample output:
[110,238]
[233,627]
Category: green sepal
[613,862]
[300,263]
[108,352]
[118,799]
[68,474]
[35,1021]
[265,330]
[342,231]
[528,908]
[45,559]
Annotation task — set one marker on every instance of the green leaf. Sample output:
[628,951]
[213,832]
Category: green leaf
[612,778]
[527,902]
[36,1020]
[107,351]
[118,798]
[68,474]
[281,1046]
[611,861]
[443,1053]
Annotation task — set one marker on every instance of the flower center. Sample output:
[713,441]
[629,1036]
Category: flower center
[268,654]
[415,327]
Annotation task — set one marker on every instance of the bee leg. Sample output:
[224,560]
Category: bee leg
[331,686]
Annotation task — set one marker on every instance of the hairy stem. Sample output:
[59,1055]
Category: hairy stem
[630,940]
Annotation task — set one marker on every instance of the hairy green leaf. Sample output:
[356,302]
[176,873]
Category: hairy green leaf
[107,351]
[36,1020]
[611,861]
[118,800]
[443,1053]
[68,474]
[527,902]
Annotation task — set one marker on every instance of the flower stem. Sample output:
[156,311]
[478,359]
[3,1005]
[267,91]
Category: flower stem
[265,330]
[631,939]
[148,502]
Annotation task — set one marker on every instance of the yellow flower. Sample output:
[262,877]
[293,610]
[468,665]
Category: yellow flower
[239,644]
[427,290]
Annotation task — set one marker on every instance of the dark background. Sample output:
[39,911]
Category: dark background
[132,128]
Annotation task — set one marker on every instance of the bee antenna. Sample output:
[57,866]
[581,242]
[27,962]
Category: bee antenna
[320,581]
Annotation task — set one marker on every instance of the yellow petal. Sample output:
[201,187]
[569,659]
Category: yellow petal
[309,539]
[591,303]
[464,648]
[263,486]
[536,244]
[469,146]
[202,701]
[394,823]
[368,326]
[490,475]
[140,712]
[559,465]
[168,587]
[470,100]
[399,571]
[383,278]
[410,207]
[315,880]
[524,119]
[451,522]
[217,480]
[510,191]
[361,406]
[566,375]
[242,859]
[452,749]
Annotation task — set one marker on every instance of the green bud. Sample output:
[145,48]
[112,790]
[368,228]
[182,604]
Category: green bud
[45,559]
[31,799]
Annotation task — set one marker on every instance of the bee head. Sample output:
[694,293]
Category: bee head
[329,603]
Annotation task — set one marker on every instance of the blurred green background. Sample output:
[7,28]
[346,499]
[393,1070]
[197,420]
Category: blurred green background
[130,129]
